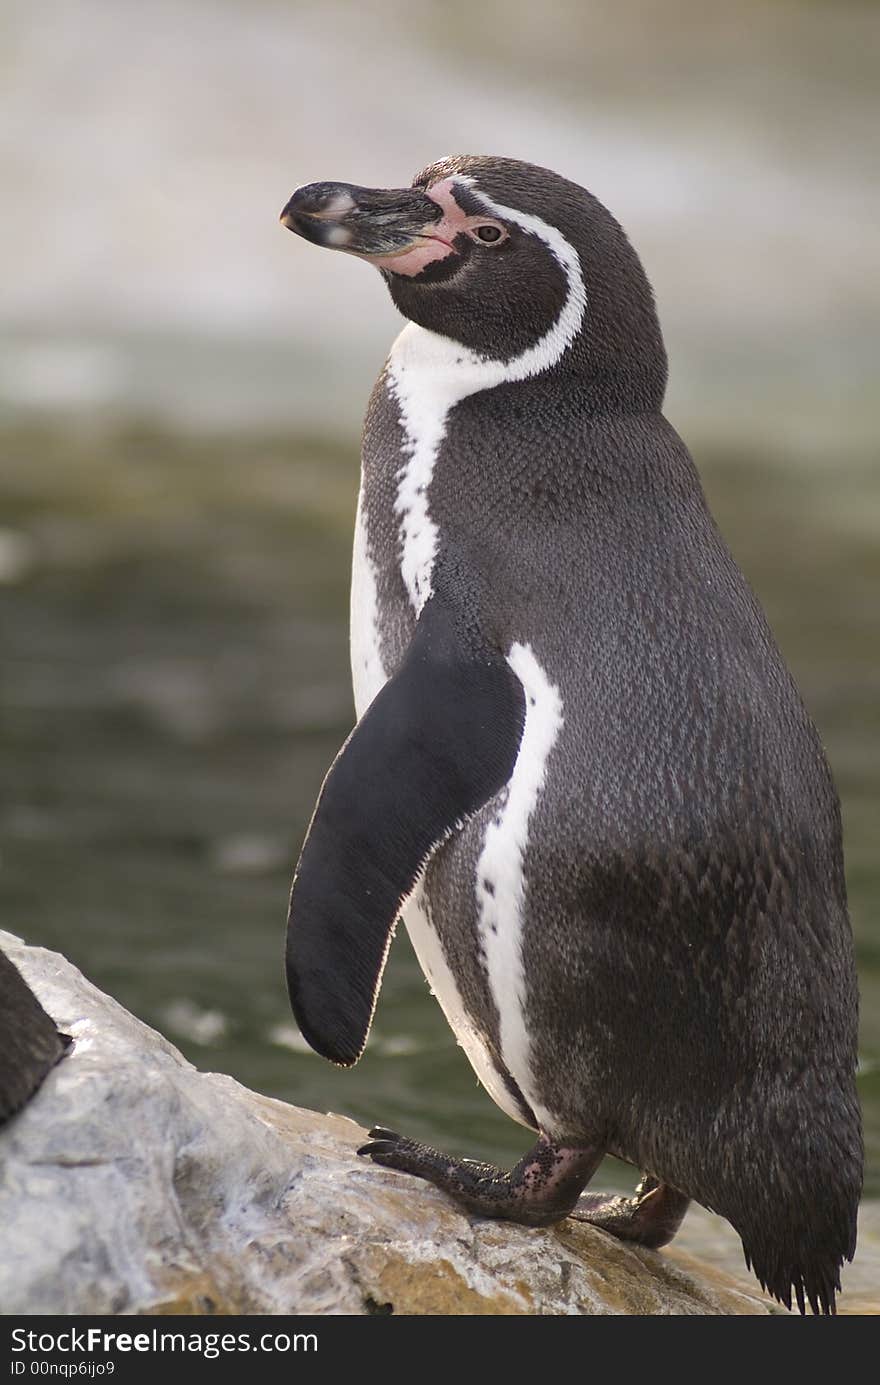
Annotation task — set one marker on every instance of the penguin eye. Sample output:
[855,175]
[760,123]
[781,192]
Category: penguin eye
[488,234]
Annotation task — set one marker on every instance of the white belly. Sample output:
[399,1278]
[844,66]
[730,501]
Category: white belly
[367,672]
[500,880]
[426,944]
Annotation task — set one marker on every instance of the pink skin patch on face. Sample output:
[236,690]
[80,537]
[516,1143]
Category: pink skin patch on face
[437,240]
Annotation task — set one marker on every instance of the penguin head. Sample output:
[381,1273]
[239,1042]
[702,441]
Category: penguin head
[511,261]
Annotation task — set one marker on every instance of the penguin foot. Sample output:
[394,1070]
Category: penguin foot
[543,1188]
[650,1218]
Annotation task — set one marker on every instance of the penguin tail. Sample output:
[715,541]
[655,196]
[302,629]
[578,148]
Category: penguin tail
[790,1183]
[816,1284]
[798,1257]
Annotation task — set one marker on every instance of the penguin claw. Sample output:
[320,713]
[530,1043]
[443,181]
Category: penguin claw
[393,1151]
[383,1143]
[377,1147]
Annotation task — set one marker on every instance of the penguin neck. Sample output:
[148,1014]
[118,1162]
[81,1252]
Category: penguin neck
[429,374]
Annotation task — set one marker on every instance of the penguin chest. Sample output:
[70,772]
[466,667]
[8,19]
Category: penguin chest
[467,915]
[397,536]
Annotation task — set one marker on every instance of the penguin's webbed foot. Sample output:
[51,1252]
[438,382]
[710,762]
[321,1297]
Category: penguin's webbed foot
[650,1218]
[543,1188]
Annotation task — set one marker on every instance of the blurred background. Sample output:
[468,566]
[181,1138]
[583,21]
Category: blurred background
[181,387]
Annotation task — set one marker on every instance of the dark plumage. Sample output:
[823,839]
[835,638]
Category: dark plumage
[688,989]
[30,1044]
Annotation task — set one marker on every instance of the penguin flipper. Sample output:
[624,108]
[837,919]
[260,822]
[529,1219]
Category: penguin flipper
[438,741]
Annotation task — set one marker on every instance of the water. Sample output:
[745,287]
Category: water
[176,683]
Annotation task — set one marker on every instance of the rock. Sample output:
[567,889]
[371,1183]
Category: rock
[133,1183]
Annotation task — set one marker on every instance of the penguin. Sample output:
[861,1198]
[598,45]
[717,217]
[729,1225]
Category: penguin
[581,772]
[30,1043]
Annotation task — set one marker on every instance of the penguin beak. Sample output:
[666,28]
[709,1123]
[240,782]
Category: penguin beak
[362,221]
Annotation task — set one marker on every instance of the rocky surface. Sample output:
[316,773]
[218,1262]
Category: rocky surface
[133,1183]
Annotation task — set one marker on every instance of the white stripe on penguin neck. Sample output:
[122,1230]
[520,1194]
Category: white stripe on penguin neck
[429,374]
